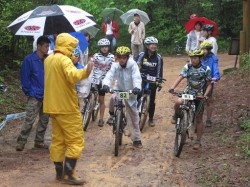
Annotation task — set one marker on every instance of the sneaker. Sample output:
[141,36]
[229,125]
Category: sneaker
[197,145]
[208,123]
[41,145]
[111,120]
[20,147]
[101,123]
[137,144]
[151,123]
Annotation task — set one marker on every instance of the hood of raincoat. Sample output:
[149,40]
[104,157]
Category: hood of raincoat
[65,43]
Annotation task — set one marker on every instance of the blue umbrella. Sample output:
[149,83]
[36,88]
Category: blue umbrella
[83,43]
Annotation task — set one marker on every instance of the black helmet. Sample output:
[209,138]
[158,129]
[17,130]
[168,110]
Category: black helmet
[208,27]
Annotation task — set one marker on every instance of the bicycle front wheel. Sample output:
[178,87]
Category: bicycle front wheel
[118,131]
[88,111]
[144,111]
[181,132]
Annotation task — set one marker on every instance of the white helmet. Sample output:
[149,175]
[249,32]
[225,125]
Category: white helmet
[103,42]
[150,40]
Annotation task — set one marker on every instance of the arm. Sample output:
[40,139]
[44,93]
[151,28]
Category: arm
[209,88]
[215,46]
[188,43]
[177,82]
[136,77]
[216,72]
[143,31]
[183,74]
[130,29]
[115,26]
[160,68]
[25,77]
[104,28]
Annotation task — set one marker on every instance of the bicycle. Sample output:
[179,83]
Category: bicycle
[91,107]
[120,121]
[185,120]
[144,102]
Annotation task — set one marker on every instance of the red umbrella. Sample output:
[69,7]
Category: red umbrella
[191,23]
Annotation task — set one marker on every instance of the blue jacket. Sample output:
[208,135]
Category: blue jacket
[32,76]
[211,61]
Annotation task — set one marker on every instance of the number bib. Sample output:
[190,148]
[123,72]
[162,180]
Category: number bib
[151,78]
[123,95]
[95,81]
[187,97]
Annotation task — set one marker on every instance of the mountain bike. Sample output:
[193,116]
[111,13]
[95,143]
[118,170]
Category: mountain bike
[120,121]
[91,107]
[185,121]
[144,101]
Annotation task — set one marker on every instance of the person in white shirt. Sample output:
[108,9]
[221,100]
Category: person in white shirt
[207,32]
[194,37]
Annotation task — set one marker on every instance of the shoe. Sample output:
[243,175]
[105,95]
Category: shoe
[197,145]
[137,144]
[41,145]
[69,172]
[151,123]
[208,123]
[111,120]
[59,170]
[20,147]
[101,123]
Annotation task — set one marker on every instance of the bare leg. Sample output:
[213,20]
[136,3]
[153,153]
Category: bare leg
[200,126]
[102,106]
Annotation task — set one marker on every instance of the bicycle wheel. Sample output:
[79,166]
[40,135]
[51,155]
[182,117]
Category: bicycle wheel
[144,111]
[181,132]
[95,109]
[118,131]
[88,111]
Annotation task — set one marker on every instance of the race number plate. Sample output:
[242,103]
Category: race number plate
[151,78]
[123,95]
[187,97]
[95,81]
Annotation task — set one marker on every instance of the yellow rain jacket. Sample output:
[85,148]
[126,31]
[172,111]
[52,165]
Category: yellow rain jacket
[61,75]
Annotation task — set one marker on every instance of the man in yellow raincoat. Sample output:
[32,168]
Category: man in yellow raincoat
[61,102]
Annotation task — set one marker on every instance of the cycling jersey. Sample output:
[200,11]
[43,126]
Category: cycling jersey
[102,65]
[150,65]
[197,78]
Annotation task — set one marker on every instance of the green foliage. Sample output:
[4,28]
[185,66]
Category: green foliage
[245,64]
[245,137]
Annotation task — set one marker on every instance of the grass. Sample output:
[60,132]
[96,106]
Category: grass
[245,137]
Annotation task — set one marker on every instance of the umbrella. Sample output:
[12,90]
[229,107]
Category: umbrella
[82,40]
[113,13]
[191,23]
[46,20]
[128,17]
[92,31]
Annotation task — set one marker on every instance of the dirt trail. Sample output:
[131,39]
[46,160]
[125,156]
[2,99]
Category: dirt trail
[152,166]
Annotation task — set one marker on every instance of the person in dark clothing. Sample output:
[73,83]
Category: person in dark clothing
[151,63]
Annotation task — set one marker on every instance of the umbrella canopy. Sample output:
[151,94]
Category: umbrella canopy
[113,13]
[128,17]
[83,44]
[46,20]
[92,31]
[189,26]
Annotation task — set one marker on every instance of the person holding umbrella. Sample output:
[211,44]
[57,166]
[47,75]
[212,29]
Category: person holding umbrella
[110,28]
[61,102]
[137,31]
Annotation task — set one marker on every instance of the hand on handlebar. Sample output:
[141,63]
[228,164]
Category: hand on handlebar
[171,90]
[106,88]
[159,85]
[136,91]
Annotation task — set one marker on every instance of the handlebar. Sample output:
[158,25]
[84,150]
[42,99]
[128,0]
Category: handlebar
[179,94]
[158,79]
[117,91]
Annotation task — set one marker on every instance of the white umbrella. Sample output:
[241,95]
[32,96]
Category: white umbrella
[46,20]
[128,17]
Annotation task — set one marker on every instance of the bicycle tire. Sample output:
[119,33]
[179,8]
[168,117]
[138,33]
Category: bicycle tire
[144,111]
[180,136]
[118,132]
[95,110]
[88,112]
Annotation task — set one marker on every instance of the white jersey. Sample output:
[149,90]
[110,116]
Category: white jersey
[102,65]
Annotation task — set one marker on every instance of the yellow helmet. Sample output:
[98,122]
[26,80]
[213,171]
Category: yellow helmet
[123,50]
[196,52]
[206,45]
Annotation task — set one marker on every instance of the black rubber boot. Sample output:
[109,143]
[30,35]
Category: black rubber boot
[59,170]
[69,169]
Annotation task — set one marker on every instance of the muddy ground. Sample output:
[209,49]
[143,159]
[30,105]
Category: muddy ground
[218,163]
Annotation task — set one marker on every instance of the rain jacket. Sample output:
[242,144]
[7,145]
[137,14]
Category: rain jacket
[61,76]
[126,78]
[211,61]
[192,40]
[114,25]
[32,76]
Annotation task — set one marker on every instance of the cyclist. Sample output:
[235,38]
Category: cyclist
[198,78]
[211,61]
[102,64]
[207,32]
[127,76]
[151,63]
